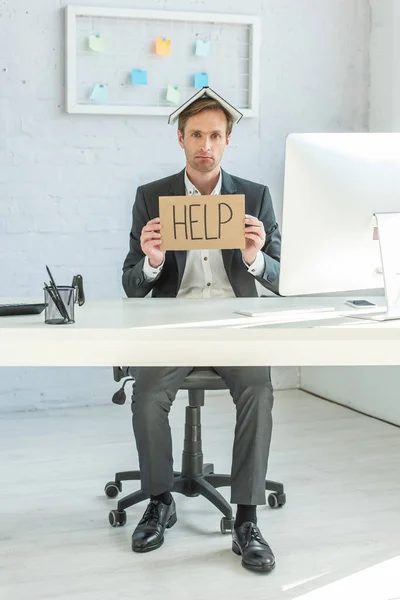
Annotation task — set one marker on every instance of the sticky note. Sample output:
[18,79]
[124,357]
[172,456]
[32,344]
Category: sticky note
[138,77]
[200,80]
[202,48]
[173,94]
[99,94]
[163,46]
[96,43]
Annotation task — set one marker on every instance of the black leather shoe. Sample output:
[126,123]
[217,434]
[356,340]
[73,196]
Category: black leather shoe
[248,542]
[149,534]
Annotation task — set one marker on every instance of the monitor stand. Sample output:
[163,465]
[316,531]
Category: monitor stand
[389,241]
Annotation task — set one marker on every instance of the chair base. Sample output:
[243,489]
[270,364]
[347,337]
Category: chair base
[202,485]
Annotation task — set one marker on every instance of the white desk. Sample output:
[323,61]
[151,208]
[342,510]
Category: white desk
[196,332]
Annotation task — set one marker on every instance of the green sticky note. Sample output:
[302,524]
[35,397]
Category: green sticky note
[173,94]
[96,43]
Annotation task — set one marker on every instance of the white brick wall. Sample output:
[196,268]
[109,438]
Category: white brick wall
[67,183]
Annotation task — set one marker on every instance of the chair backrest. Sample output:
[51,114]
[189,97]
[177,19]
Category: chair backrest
[120,373]
[199,378]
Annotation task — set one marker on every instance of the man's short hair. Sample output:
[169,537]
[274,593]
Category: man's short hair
[201,105]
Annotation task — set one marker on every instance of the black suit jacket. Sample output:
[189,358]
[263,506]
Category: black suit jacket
[257,203]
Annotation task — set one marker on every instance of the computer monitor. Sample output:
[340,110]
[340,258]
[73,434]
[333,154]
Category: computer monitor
[334,185]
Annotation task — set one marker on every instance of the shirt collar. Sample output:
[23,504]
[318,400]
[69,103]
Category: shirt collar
[191,190]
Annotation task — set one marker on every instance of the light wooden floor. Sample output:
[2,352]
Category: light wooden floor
[342,515]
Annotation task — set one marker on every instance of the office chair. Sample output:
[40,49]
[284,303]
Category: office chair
[195,478]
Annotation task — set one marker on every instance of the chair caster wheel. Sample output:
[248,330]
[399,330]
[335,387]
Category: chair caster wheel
[276,500]
[117,518]
[112,489]
[226,525]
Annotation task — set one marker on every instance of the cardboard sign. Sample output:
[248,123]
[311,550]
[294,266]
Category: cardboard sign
[202,222]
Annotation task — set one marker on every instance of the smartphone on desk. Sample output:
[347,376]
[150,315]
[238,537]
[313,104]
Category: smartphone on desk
[360,303]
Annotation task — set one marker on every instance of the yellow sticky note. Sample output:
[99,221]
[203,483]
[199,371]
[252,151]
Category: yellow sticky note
[163,46]
[173,94]
[96,43]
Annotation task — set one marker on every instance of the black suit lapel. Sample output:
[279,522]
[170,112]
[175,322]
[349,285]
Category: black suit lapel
[177,188]
[180,256]
[228,187]
[177,184]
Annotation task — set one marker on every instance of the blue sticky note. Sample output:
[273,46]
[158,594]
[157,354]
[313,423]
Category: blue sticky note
[202,48]
[99,94]
[200,80]
[138,77]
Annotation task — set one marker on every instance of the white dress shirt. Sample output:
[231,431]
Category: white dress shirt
[204,275]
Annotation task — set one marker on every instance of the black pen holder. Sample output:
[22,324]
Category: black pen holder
[56,312]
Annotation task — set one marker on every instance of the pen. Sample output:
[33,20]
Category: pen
[50,293]
[60,304]
[54,299]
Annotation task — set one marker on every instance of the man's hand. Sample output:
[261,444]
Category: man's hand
[255,238]
[150,240]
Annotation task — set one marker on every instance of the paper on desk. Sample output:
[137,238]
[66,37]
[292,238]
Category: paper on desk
[244,322]
[278,313]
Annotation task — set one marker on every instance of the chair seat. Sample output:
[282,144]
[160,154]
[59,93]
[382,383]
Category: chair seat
[203,378]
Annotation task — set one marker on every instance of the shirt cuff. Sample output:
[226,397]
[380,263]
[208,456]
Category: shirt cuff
[149,272]
[258,266]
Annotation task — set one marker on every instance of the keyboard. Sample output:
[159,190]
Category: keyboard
[277,313]
[9,310]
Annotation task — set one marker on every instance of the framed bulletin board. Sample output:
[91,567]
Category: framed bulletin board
[148,62]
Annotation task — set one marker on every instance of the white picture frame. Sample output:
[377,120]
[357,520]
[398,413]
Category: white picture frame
[72,13]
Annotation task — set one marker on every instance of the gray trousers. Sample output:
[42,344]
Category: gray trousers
[250,387]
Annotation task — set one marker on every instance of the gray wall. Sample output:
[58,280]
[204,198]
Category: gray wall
[371,390]
[67,182]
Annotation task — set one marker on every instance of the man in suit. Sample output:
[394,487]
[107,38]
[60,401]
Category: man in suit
[204,132]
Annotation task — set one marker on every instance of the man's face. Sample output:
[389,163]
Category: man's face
[204,140]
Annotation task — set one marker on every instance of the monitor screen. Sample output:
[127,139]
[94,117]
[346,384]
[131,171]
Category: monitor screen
[334,184]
